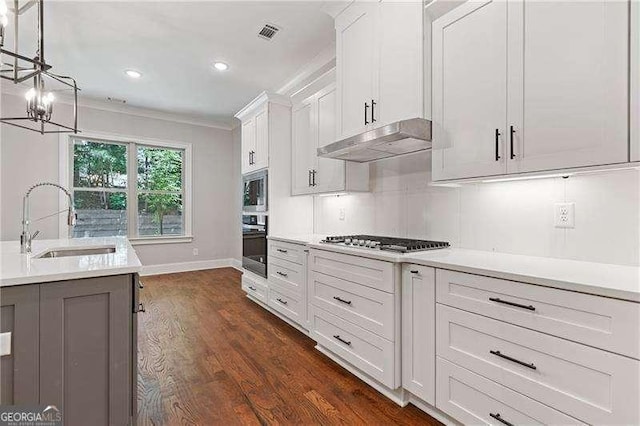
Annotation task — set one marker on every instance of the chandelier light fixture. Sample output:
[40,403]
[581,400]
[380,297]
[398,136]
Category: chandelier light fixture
[34,73]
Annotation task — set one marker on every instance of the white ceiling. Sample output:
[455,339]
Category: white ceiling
[174,44]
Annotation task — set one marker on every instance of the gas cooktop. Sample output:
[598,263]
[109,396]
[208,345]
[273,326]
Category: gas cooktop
[400,245]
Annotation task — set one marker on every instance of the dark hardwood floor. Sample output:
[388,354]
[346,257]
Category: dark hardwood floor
[208,355]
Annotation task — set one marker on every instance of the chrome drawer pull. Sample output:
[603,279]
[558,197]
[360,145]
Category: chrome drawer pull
[284,302]
[252,288]
[517,361]
[346,342]
[282,251]
[415,272]
[346,302]
[282,274]
[500,419]
[141,307]
[517,305]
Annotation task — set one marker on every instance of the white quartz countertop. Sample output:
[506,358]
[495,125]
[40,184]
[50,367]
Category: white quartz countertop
[298,239]
[621,282]
[17,269]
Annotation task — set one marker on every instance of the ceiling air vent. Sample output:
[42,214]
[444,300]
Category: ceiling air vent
[268,31]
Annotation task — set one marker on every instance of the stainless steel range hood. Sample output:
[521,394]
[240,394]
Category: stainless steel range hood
[401,137]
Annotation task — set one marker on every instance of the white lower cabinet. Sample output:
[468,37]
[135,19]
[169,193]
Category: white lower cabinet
[473,399]
[355,304]
[255,286]
[419,331]
[285,289]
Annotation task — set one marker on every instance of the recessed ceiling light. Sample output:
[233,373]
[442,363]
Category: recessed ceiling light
[220,66]
[133,73]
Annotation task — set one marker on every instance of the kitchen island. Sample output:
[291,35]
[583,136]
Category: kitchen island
[69,328]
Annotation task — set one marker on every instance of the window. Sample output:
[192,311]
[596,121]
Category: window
[137,189]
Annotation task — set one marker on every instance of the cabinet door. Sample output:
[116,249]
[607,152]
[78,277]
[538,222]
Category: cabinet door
[303,146]
[261,158]
[85,349]
[400,78]
[19,370]
[355,66]
[469,91]
[330,173]
[568,83]
[248,145]
[419,331]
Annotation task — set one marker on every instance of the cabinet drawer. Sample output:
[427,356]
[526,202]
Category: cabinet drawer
[472,399]
[366,351]
[371,309]
[287,306]
[254,288]
[597,321]
[287,251]
[360,270]
[287,275]
[592,385]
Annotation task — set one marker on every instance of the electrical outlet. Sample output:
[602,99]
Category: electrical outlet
[195,252]
[341,214]
[564,215]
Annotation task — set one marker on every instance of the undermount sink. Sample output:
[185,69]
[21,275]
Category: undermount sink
[66,252]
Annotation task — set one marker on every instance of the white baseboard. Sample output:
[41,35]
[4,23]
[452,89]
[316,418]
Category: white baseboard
[169,268]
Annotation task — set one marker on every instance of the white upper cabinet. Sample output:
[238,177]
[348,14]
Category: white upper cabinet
[568,84]
[469,90]
[256,131]
[248,137]
[524,86]
[314,125]
[379,62]
[301,149]
[355,66]
[261,157]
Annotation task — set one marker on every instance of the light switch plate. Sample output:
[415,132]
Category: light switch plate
[5,344]
[564,215]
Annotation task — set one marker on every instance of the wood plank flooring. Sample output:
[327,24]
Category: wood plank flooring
[207,355]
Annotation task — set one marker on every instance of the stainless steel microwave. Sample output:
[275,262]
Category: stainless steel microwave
[255,190]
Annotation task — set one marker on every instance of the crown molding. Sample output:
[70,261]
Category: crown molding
[321,64]
[88,102]
[260,100]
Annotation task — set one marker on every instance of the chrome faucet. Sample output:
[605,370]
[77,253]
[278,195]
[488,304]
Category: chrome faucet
[26,237]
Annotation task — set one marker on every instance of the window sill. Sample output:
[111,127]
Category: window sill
[177,239]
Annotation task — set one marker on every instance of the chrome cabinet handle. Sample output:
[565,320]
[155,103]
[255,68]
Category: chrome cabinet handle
[415,272]
[282,251]
[497,145]
[339,299]
[517,361]
[366,115]
[517,305]
[337,337]
[313,177]
[500,419]
[284,302]
[282,274]
[141,307]
[252,288]
[373,111]
[140,285]
[512,155]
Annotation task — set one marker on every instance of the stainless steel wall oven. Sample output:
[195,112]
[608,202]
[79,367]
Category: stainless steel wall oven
[254,243]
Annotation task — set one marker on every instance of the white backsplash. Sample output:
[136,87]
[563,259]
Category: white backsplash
[510,217]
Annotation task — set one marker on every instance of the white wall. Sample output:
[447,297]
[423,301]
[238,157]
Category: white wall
[511,217]
[28,158]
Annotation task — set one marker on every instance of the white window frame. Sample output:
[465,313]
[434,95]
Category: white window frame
[66,180]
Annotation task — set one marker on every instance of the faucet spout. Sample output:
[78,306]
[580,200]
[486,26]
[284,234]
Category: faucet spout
[26,238]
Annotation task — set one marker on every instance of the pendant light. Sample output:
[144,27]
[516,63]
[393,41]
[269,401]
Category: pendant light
[39,97]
